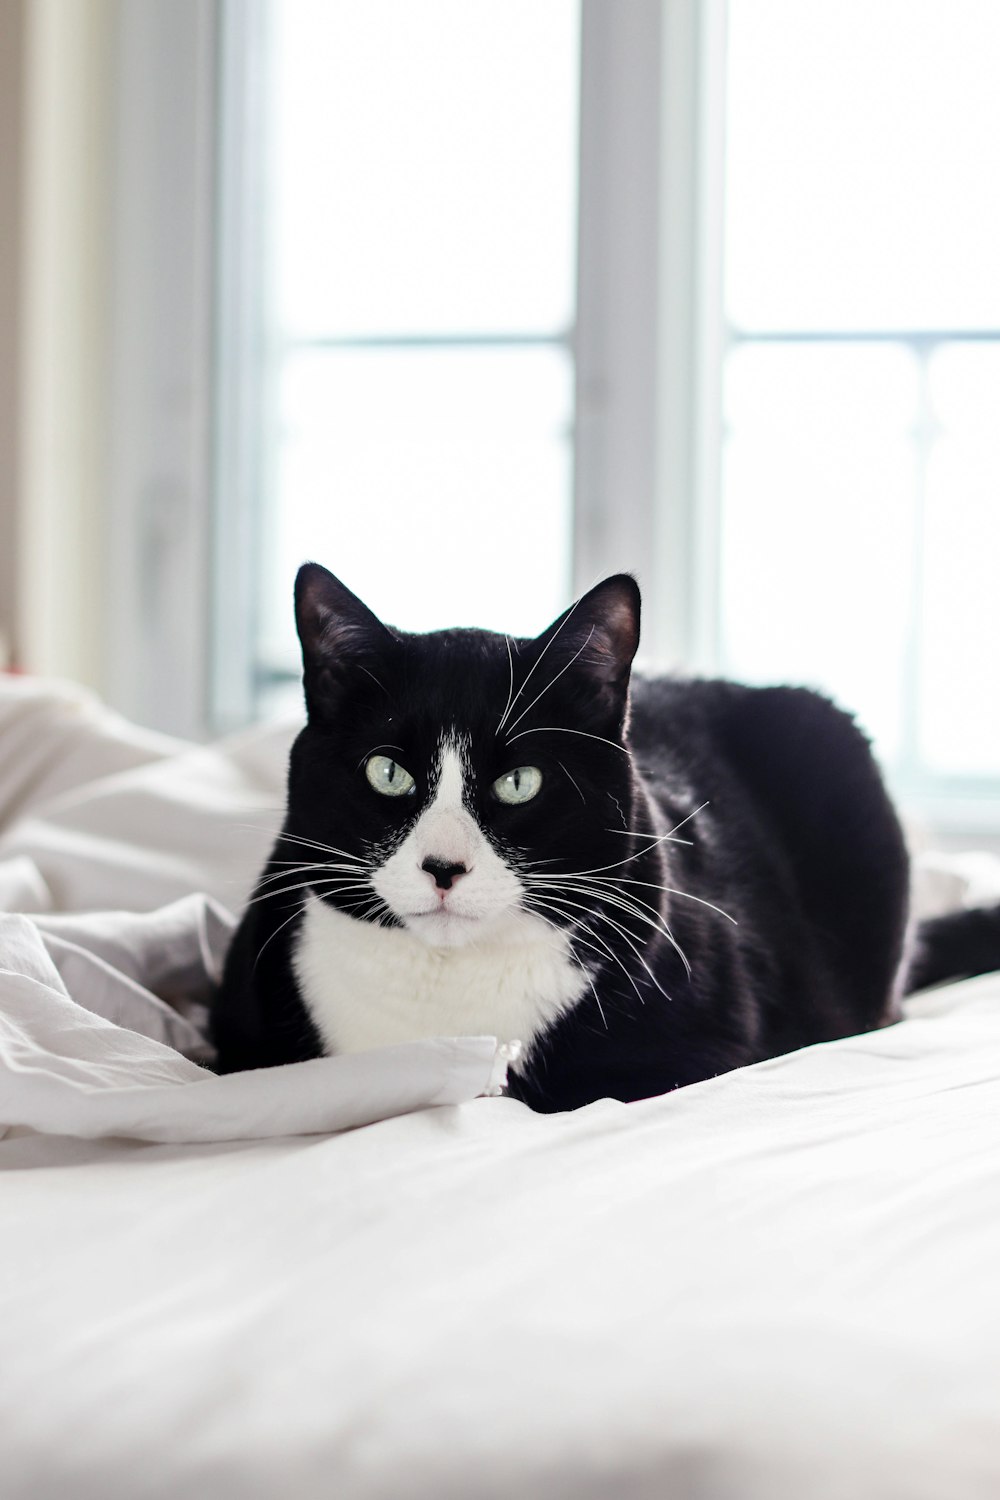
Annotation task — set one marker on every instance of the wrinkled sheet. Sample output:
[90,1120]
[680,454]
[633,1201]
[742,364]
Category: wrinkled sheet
[781,1283]
[102,1012]
[68,1070]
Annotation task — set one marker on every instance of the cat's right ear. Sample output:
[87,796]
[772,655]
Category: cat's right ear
[339,637]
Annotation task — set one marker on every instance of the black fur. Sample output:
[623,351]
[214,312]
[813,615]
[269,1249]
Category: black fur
[955,946]
[792,836]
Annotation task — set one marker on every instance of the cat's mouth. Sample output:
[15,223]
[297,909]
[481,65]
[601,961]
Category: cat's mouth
[443,917]
[445,928]
[439,913]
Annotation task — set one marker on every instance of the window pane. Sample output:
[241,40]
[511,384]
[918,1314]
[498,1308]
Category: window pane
[817,523]
[436,484]
[863,144]
[960,702]
[424,167]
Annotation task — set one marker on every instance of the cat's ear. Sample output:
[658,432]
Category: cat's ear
[600,635]
[339,637]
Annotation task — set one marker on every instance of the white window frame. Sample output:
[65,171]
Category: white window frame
[161,391]
[649,337]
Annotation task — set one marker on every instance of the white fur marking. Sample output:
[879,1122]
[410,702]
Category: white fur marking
[447,832]
[369,986]
[467,961]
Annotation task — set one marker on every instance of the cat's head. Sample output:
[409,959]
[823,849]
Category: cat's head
[448,776]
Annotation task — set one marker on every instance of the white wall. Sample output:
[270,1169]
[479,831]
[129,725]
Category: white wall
[12,29]
[62,360]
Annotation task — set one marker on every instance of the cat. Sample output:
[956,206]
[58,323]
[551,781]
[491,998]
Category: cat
[644,881]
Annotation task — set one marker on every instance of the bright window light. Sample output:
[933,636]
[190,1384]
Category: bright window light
[422,213]
[861,475]
[424,166]
[863,179]
[457,468]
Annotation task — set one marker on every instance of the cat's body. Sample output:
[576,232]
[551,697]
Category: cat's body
[494,837]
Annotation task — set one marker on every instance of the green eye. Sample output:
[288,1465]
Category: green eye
[518,786]
[388,776]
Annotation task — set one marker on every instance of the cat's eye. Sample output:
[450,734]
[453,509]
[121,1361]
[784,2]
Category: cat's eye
[518,786]
[388,776]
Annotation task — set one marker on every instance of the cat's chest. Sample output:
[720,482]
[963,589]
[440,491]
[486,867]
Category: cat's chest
[368,986]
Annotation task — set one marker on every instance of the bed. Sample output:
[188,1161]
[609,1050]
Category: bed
[380,1277]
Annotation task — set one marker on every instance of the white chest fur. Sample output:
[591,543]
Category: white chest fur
[369,986]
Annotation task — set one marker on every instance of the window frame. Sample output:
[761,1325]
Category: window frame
[188,393]
[161,397]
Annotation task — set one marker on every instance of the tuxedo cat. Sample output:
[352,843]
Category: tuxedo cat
[645,882]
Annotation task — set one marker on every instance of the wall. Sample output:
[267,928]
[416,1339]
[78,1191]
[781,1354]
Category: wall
[57,62]
[12,32]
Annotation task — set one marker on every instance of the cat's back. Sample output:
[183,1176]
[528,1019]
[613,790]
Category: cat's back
[778,746]
[797,815]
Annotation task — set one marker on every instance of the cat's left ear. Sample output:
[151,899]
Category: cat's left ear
[341,639]
[601,631]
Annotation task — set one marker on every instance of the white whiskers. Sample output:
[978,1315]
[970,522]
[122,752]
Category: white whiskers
[553,681]
[565,621]
[556,729]
[510,694]
[573,780]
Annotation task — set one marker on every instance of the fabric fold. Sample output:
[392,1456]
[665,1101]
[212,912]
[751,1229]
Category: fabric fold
[69,1069]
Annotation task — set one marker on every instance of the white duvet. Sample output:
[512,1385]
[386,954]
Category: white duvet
[781,1283]
[97,1007]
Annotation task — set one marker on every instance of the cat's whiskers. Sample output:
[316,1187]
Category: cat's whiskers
[536,663]
[591,910]
[288,881]
[297,838]
[648,833]
[374,679]
[281,835]
[330,886]
[637,854]
[673,890]
[602,916]
[670,890]
[366,909]
[523,864]
[319,864]
[553,681]
[557,729]
[609,893]
[583,971]
[621,813]
[604,948]
[700,808]
[300,908]
[634,906]
[510,693]
[293,867]
[573,780]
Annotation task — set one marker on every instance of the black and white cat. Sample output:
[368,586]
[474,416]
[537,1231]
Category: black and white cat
[644,883]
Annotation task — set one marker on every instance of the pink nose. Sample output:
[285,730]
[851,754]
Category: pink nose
[444,873]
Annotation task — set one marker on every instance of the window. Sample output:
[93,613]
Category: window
[417,300]
[509,297]
[860,500]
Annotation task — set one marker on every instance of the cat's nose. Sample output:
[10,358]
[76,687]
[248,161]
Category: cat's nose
[444,873]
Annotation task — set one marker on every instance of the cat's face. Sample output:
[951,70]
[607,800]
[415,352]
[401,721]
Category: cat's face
[449,784]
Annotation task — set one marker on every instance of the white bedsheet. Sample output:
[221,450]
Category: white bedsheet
[776,1285]
[96,1007]
[781,1284]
